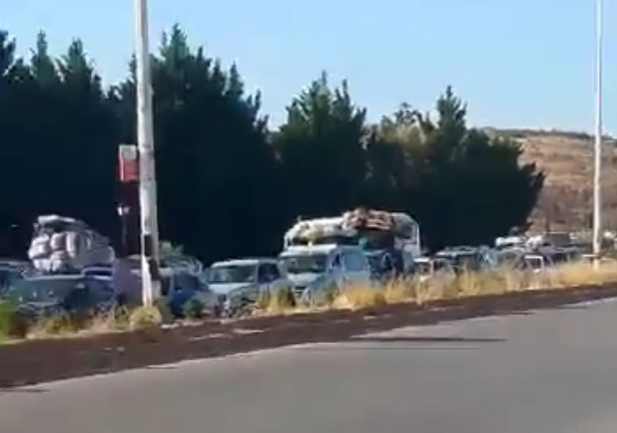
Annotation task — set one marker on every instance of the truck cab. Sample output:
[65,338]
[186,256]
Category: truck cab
[314,270]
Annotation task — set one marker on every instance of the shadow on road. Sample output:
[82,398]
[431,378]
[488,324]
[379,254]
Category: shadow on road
[427,340]
[572,307]
[23,391]
[413,343]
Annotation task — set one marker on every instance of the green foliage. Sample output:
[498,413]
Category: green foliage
[227,185]
[13,324]
[193,309]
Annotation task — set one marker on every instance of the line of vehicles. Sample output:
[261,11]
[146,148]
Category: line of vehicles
[360,247]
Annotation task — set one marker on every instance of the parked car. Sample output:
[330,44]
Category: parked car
[52,294]
[316,270]
[429,267]
[465,259]
[239,283]
[180,286]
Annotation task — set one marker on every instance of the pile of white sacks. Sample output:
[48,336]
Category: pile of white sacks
[61,244]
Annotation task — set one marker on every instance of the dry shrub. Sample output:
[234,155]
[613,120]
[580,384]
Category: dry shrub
[264,300]
[360,296]
[58,325]
[578,274]
[481,283]
[283,301]
[441,286]
[469,284]
[110,321]
[515,280]
[400,291]
[145,317]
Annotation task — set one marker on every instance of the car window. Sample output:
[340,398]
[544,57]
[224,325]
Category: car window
[337,262]
[263,274]
[232,274]
[354,261]
[304,263]
[184,281]
[440,265]
[273,271]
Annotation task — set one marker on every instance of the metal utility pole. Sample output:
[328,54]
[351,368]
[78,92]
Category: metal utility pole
[150,276]
[597,193]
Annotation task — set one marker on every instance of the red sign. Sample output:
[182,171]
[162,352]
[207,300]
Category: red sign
[128,162]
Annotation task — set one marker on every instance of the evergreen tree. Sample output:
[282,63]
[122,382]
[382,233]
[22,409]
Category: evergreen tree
[227,185]
[322,149]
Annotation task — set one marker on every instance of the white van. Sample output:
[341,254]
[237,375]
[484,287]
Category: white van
[314,270]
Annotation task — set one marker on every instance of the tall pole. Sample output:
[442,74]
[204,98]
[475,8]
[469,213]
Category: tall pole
[597,193]
[150,275]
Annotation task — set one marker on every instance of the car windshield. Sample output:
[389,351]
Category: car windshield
[305,263]
[225,274]
[41,290]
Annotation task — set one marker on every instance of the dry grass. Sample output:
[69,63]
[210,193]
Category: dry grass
[469,285]
[402,291]
[69,327]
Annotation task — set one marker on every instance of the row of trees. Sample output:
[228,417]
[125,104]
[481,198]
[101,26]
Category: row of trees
[229,186]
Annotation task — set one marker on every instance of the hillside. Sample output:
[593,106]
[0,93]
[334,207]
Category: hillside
[567,160]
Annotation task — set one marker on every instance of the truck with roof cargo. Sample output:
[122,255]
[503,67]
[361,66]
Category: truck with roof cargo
[390,239]
[64,245]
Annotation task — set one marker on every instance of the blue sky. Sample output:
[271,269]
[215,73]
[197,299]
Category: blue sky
[518,63]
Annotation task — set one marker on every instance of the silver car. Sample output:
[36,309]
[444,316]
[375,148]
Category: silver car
[239,283]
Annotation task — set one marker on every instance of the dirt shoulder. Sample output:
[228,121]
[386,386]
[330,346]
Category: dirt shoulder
[49,360]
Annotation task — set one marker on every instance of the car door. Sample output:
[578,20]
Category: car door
[78,298]
[336,270]
[275,276]
[264,281]
[356,267]
[200,291]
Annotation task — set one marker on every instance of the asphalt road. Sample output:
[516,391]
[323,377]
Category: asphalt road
[546,372]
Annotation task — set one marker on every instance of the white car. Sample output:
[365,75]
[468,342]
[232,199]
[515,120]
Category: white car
[317,268]
[239,283]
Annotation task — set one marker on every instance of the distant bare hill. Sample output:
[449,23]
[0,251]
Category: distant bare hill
[567,160]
